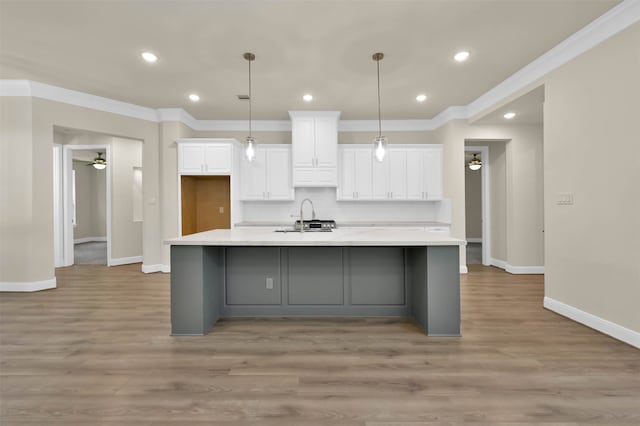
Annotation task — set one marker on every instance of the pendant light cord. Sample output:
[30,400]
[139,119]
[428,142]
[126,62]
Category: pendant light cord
[250,97]
[379,115]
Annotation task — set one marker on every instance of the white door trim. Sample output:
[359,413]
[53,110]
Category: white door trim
[58,223]
[486,211]
[67,167]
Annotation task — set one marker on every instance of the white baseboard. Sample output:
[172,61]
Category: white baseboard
[28,285]
[516,269]
[498,263]
[125,260]
[474,240]
[463,269]
[602,325]
[90,240]
[148,269]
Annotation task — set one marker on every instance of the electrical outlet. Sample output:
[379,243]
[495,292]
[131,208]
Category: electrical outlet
[269,283]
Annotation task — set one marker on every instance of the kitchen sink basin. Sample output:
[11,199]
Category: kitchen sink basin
[306,230]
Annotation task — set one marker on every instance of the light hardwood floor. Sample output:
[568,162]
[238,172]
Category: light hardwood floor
[97,351]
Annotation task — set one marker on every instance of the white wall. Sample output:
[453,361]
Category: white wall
[591,150]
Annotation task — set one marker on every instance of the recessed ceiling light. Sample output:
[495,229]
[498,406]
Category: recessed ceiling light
[149,57]
[461,56]
[421,98]
[308,97]
[509,115]
[194,97]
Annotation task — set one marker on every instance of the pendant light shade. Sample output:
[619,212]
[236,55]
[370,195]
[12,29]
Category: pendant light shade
[475,163]
[249,141]
[380,142]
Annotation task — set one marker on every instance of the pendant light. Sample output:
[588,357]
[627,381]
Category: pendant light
[249,141]
[475,163]
[380,142]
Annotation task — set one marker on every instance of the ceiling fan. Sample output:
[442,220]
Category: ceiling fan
[98,162]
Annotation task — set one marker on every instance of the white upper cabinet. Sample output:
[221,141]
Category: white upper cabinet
[314,140]
[355,174]
[424,172]
[205,158]
[409,172]
[268,176]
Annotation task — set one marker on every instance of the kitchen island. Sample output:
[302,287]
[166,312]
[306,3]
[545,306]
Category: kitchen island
[247,272]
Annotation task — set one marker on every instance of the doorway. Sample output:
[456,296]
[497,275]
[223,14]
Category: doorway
[477,223]
[205,203]
[86,202]
[89,218]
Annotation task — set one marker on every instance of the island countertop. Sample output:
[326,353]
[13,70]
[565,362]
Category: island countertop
[338,237]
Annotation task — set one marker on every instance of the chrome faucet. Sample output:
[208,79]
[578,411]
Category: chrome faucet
[313,213]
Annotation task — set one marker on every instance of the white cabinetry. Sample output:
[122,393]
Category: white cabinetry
[204,158]
[390,176]
[424,174]
[409,172]
[355,174]
[314,140]
[268,176]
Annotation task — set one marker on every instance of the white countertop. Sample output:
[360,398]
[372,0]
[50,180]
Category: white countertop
[412,224]
[339,237]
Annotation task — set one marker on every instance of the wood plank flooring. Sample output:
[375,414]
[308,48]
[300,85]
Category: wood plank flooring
[97,351]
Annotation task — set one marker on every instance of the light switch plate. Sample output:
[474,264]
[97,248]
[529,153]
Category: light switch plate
[221,210]
[564,198]
[269,283]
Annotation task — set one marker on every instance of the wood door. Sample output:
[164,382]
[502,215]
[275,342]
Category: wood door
[206,203]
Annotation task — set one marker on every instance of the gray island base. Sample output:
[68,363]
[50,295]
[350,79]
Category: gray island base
[273,279]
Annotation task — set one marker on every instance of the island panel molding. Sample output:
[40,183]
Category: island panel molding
[258,272]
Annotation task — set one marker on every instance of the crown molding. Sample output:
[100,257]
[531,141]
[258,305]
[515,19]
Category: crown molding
[617,19]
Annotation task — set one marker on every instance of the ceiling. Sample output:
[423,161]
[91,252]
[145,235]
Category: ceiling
[322,47]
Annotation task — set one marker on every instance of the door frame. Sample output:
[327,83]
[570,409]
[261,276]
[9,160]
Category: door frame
[67,202]
[485,196]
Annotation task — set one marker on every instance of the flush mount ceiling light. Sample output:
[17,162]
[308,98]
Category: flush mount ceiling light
[249,141]
[98,162]
[475,163]
[461,56]
[380,142]
[308,97]
[509,115]
[194,97]
[149,57]
[421,98]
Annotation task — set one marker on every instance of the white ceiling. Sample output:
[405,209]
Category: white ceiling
[322,47]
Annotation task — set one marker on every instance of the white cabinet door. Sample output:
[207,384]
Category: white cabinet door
[191,158]
[254,184]
[217,159]
[314,140]
[415,174]
[380,180]
[326,142]
[278,174]
[362,176]
[433,174]
[347,189]
[303,142]
[397,174]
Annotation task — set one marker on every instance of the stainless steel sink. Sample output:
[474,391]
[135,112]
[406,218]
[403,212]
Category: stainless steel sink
[306,230]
